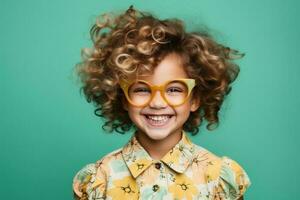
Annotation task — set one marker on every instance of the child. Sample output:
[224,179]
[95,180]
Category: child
[151,74]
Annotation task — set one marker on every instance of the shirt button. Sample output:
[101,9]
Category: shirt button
[158,165]
[155,188]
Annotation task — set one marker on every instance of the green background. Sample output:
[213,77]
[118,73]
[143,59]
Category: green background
[49,131]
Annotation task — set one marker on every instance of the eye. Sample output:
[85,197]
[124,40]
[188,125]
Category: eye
[174,90]
[139,90]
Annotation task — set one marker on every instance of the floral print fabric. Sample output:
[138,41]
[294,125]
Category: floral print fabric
[187,172]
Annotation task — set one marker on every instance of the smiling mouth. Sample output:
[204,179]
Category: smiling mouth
[158,120]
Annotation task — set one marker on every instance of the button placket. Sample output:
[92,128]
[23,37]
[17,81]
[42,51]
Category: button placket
[155,188]
[157,165]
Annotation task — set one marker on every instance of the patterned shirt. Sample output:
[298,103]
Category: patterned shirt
[187,172]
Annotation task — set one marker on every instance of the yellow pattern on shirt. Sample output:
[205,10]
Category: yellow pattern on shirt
[187,171]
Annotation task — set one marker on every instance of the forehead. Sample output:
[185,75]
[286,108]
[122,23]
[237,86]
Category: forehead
[171,67]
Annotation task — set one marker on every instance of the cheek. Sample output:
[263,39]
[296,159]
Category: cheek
[183,112]
[133,113]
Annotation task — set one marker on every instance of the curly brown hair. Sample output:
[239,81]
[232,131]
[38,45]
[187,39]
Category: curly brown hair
[133,43]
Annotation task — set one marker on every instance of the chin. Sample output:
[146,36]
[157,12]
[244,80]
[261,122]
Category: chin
[157,137]
[158,134]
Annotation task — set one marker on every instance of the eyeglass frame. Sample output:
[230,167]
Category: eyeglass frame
[191,83]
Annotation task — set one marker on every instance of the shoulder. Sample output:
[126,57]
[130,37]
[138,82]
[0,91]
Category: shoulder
[106,160]
[232,178]
[206,158]
[224,176]
[92,177]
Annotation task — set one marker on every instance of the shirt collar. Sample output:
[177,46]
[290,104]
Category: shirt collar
[178,158]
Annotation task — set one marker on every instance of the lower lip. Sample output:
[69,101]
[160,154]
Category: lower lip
[154,124]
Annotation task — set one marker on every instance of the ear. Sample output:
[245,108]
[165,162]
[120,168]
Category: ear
[124,103]
[195,103]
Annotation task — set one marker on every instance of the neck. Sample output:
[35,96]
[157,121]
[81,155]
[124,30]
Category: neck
[158,148]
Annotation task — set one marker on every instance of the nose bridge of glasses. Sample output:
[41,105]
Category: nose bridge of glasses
[157,89]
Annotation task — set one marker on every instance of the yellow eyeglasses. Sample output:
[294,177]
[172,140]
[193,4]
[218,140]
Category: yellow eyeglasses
[175,92]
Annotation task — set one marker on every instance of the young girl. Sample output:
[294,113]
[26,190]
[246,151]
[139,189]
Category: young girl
[153,75]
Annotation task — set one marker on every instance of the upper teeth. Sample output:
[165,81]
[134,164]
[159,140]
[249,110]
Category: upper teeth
[164,117]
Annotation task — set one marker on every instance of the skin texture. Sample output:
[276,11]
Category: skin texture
[158,141]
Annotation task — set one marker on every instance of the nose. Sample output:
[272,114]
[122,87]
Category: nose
[158,101]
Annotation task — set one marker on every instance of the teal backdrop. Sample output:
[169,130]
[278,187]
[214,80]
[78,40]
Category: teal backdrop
[49,131]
